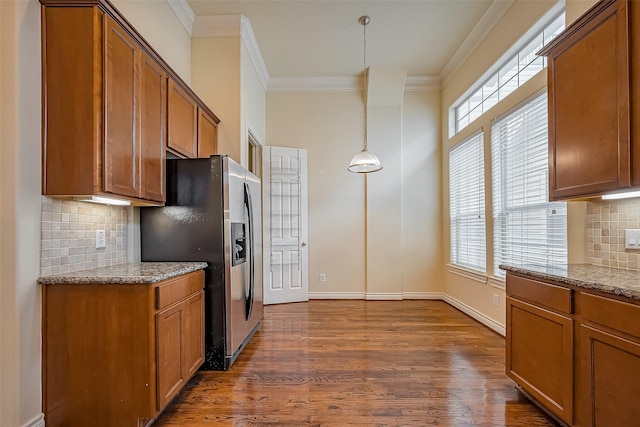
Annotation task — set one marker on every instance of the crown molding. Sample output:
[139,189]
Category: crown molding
[183,12]
[422,84]
[489,20]
[250,41]
[315,84]
[344,84]
[234,26]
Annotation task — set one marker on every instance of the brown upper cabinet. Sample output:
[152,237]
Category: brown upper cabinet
[183,122]
[111,107]
[104,105]
[594,141]
[207,134]
[193,129]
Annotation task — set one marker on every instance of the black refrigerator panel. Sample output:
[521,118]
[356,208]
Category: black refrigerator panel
[212,214]
[191,228]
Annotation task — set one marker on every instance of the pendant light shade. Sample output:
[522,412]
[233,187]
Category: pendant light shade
[364,161]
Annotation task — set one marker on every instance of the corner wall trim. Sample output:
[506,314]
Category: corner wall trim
[184,13]
[473,313]
[255,54]
[37,421]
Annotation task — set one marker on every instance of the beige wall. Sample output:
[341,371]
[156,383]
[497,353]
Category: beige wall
[253,103]
[20,343]
[157,23]
[330,126]
[476,295]
[575,8]
[225,78]
[215,74]
[472,295]
[20,203]
[421,193]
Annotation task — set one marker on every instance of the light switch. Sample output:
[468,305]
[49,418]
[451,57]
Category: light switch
[632,238]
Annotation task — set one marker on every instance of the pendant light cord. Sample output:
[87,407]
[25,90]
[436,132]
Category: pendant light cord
[364,20]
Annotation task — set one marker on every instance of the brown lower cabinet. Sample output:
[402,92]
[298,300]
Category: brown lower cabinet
[575,352]
[608,366]
[116,354]
[540,343]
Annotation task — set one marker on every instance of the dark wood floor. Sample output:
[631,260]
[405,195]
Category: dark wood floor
[383,363]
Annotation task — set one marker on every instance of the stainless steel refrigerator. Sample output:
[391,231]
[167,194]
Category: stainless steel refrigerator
[212,214]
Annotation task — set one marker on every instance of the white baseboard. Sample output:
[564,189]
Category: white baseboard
[371,296]
[37,421]
[423,295]
[471,312]
[376,296]
[336,295]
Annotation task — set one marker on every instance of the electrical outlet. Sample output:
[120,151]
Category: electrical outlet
[632,238]
[496,300]
[101,239]
[323,277]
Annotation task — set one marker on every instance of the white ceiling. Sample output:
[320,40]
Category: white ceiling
[323,38]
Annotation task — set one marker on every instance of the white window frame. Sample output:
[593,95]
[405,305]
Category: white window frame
[501,79]
[467,222]
[528,230]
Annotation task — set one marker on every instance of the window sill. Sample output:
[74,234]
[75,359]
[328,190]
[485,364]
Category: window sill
[468,273]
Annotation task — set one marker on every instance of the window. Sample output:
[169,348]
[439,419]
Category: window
[511,73]
[466,210]
[254,155]
[527,229]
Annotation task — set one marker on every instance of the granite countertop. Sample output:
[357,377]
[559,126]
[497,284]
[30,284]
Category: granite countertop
[598,278]
[133,273]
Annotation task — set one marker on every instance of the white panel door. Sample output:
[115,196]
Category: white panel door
[284,196]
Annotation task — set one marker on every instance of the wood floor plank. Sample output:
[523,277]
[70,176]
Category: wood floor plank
[367,363]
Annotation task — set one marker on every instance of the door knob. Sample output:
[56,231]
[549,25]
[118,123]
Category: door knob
[303,244]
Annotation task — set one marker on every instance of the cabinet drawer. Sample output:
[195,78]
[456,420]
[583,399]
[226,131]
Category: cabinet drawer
[547,295]
[619,315]
[174,290]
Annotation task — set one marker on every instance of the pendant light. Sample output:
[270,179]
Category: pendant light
[364,161]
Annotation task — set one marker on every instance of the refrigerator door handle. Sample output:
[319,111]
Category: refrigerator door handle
[249,206]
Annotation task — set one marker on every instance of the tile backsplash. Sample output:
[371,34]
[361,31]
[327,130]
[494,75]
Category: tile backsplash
[69,236]
[606,222]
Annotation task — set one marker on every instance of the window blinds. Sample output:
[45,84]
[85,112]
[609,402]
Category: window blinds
[527,229]
[466,210]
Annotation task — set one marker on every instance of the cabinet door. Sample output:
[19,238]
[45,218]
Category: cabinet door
[169,333]
[608,369]
[540,355]
[589,145]
[152,125]
[121,152]
[207,135]
[194,333]
[634,19]
[182,121]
